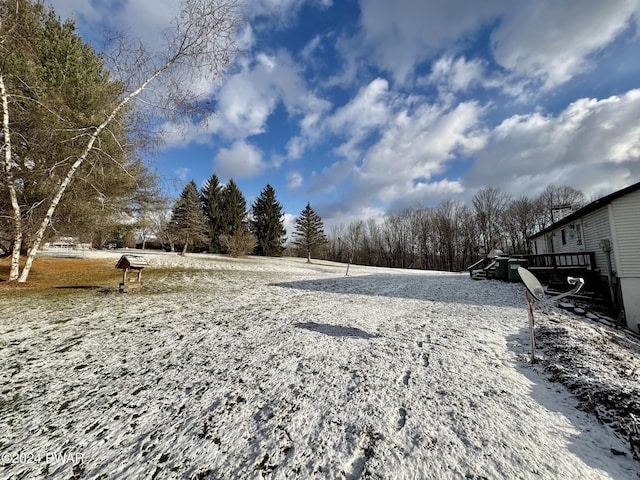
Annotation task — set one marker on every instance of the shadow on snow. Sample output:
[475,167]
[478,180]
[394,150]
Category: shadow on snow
[449,288]
[335,330]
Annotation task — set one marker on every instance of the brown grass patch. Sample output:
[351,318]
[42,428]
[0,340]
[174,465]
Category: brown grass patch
[49,272]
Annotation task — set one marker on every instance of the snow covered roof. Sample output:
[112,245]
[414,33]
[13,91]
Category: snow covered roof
[132,261]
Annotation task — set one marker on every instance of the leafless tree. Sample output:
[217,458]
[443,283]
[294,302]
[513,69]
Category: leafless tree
[554,198]
[489,205]
[521,220]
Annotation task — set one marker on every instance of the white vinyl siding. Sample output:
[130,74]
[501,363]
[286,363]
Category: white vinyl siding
[572,239]
[626,222]
[595,228]
[539,245]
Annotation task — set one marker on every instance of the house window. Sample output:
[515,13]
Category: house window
[564,237]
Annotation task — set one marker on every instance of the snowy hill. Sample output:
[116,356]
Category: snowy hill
[274,368]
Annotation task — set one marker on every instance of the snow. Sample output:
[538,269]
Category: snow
[274,368]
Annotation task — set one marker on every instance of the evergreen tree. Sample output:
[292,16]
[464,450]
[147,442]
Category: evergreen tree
[309,233]
[267,224]
[187,222]
[235,238]
[211,198]
[234,209]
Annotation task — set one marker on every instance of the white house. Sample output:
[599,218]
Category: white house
[610,228]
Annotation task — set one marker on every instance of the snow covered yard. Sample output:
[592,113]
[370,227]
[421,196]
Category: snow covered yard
[272,368]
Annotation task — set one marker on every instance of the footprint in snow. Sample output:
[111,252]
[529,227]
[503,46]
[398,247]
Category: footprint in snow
[425,359]
[402,419]
[407,376]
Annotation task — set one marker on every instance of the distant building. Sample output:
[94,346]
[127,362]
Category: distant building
[66,243]
[610,228]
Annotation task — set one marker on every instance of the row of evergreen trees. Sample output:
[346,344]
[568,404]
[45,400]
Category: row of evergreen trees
[216,219]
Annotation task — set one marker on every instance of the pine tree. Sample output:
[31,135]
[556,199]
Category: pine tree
[267,224]
[234,209]
[211,198]
[187,221]
[236,238]
[309,233]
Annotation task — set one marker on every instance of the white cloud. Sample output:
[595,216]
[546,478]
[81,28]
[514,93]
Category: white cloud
[368,111]
[310,48]
[405,166]
[294,180]
[156,15]
[416,146]
[330,177]
[593,145]
[337,217]
[412,31]
[289,223]
[454,75]
[544,41]
[246,38]
[552,40]
[295,147]
[249,97]
[244,105]
[279,13]
[240,161]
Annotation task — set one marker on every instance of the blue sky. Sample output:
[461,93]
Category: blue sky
[367,107]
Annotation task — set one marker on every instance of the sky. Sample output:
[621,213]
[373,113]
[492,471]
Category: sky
[364,108]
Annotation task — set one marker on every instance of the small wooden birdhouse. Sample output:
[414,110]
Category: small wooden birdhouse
[131,263]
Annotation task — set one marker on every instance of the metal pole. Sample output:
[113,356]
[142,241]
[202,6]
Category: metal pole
[532,338]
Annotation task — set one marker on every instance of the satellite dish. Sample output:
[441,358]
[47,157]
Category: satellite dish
[531,282]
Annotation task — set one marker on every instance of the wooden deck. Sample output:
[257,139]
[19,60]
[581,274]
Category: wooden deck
[562,261]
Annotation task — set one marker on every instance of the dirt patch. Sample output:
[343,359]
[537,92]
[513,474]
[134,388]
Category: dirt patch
[601,367]
[49,273]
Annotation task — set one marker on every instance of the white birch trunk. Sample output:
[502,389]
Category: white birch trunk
[13,197]
[37,240]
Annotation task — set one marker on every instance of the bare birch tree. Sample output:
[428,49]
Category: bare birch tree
[198,47]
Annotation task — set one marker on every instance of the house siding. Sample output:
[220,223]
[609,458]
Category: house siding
[595,228]
[626,232]
[626,223]
[571,242]
[631,297]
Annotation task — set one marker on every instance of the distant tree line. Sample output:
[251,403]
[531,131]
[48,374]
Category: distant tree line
[451,236]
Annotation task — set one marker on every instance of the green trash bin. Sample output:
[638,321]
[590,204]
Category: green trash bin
[502,268]
[514,263]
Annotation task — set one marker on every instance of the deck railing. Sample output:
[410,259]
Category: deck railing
[558,261]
